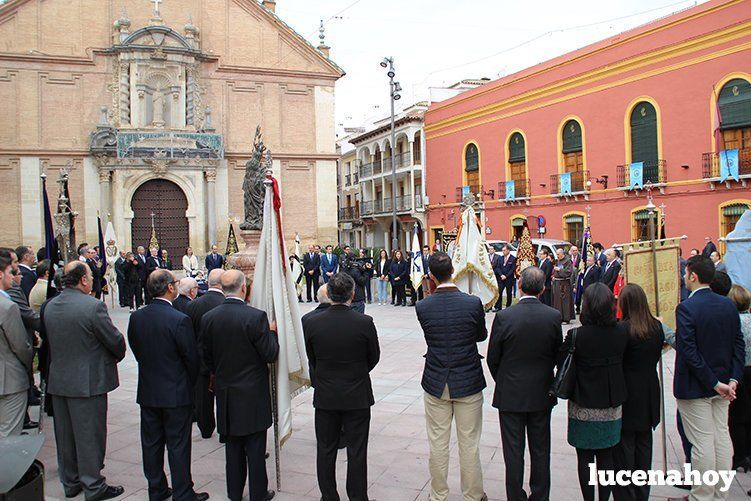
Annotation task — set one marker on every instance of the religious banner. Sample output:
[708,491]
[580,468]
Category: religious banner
[636,175]
[510,190]
[665,284]
[472,271]
[729,165]
[565,183]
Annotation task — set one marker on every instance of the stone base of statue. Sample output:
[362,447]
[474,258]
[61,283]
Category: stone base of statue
[245,260]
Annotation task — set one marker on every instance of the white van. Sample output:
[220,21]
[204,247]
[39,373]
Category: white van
[550,244]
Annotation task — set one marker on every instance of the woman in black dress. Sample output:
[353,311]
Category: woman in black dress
[130,269]
[399,273]
[641,411]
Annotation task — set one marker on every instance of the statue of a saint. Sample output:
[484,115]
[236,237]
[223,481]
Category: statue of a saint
[253,187]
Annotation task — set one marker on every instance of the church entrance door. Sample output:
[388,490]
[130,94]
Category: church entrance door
[167,203]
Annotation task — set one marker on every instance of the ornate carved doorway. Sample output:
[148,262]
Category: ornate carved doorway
[167,202]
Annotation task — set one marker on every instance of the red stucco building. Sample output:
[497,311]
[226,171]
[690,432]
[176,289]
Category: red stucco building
[648,98]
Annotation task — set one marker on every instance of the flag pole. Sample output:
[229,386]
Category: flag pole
[274,367]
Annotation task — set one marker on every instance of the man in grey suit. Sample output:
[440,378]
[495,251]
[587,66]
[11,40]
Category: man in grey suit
[16,357]
[85,348]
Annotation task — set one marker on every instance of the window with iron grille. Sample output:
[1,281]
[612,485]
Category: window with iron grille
[644,136]
[471,158]
[573,228]
[640,225]
[734,101]
[730,216]
[516,148]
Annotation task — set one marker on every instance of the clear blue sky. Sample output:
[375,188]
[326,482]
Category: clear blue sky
[438,42]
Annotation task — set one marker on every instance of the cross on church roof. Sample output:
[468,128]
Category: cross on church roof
[156,7]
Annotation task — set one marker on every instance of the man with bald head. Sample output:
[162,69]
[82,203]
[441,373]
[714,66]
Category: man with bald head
[163,343]
[238,343]
[204,398]
[611,269]
[85,348]
[187,290]
[323,302]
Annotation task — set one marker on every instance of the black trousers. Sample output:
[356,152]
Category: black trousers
[170,427]
[634,452]
[507,286]
[140,292]
[312,283]
[547,295]
[604,461]
[122,293]
[246,458]
[204,405]
[535,427]
[399,288]
[355,426]
[368,289]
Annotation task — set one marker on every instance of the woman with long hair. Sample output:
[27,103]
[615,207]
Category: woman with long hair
[740,408]
[594,409]
[381,272]
[641,410]
[399,273]
[190,263]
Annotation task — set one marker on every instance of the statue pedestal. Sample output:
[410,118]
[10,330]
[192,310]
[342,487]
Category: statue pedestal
[245,260]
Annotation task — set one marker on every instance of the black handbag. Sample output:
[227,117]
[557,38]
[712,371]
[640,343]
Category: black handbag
[565,378]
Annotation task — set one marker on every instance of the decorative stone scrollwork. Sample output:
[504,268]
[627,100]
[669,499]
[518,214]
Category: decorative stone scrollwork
[105,175]
[210,175]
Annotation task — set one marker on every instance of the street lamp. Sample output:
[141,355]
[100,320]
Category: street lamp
[394,89]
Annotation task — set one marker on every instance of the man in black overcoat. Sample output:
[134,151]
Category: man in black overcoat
[204,399]
[163,343]
[238,344]
[342,348]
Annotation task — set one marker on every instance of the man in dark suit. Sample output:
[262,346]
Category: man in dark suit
[85,348]
[507,275]
[142,275]
[522,351]
[611,269]
[311,263]
[600,258]
[238,343]
[122,285]
[187,290]
[329,264]
[26,266]
[92,259]
[152,263]
[546,265]
[452,379]
[495,264]
[323,302]
[342,348]
[710,356]
[214,260]
[589,276]
[204,399]
[164,346]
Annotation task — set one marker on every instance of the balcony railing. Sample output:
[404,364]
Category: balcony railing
[578,183]
[366,208]
[347,180]
[355,178]
[475,189]
[377,167]
[656,172]
[521,190]
[366,170]
[710,163]
[348,213]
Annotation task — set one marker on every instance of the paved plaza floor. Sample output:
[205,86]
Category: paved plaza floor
[398,449]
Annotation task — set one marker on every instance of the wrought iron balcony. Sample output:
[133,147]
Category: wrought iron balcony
[710,163]
[355,178]
[366,208]
[349,214]
[403,159]
[656,172]
[475,189]
[377,167]
[366,170]
[521,190]
[579,183]
[347,180]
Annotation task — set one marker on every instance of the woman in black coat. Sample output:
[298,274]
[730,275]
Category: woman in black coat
[399,273]
[641,411]
[594,409]
[130,270]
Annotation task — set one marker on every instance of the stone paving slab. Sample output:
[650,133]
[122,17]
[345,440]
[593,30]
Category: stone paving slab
[398,452]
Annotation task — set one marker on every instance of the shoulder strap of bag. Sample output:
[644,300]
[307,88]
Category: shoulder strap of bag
[572,349]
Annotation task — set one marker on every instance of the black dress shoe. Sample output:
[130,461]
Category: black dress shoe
[112,491]
[202,496]
[75,492]
[167,494]
[30,425]
[270,495]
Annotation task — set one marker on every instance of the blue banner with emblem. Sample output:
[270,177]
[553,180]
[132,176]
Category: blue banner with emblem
[510,190]
[565,183]
[636,175]
[729,165]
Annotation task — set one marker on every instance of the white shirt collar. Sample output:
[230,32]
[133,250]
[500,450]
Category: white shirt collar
[25,266]
[214,289]
[527,297]
[446,285]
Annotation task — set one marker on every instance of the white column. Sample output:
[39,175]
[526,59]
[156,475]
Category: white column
[32,222]
[104,193]
[211,204]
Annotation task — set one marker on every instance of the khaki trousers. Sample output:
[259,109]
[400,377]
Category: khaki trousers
[705,421]
[467,412]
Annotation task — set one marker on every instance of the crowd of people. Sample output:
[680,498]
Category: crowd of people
[205,359]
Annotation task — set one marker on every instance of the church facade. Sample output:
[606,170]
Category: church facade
[152,107]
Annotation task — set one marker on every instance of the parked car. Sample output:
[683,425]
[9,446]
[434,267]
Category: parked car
[550,244]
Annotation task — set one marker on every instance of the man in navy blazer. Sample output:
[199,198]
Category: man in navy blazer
[329,264]
[710,355]
[163,343]
[213,260]
[506,276]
